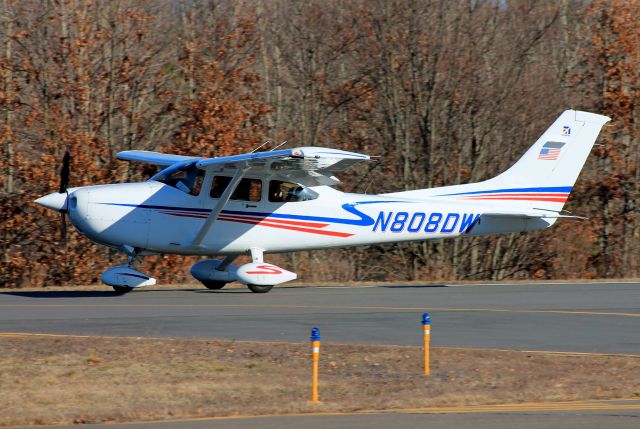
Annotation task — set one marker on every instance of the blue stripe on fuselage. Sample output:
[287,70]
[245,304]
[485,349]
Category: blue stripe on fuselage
[147,206]
[364,220]
[563,189]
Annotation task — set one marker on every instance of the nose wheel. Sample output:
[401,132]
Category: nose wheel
[122,289]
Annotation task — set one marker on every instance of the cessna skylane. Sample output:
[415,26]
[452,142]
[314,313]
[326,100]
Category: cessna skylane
[284,200]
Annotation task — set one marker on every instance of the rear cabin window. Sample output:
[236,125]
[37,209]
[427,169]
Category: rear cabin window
[247,189]
[287,192]
[187,178]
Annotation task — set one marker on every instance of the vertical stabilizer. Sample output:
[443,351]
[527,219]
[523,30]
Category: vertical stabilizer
[555,160]
[544,176]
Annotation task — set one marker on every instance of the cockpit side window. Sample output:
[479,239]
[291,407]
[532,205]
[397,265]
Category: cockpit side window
[247,190]
[281,192]
[187,178]
[218,186]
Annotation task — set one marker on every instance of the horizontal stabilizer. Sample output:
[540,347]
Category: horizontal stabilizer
[490,223]
[535,215]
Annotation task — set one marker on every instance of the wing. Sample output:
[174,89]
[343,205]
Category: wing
[306,165]
[157,158]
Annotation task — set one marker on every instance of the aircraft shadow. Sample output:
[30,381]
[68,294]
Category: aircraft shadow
[56,294]
[70,293]
[413,286]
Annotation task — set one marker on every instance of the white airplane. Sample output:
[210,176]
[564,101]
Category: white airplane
[283,201]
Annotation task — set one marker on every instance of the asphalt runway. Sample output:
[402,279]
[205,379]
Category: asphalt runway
[575,318]
[590,318]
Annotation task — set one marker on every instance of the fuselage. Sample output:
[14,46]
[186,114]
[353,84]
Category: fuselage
[164,218]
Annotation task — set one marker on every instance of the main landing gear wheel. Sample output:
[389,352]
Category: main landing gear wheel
[260,288]
[213,284]
[122,289]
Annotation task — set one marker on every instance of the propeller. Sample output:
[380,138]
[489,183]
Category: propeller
[64,184]
[64,170]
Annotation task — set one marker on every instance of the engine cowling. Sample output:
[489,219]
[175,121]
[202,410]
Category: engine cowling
[125,276]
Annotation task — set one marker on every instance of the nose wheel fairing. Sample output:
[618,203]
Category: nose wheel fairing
[123,276]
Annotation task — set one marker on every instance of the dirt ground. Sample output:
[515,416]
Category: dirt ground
[48,379]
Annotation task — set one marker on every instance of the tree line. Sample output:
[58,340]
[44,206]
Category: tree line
[444,92]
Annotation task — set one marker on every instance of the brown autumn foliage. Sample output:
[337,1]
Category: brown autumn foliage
[612,68]
[445,92]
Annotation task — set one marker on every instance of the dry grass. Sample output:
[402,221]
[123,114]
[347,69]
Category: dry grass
[46,380]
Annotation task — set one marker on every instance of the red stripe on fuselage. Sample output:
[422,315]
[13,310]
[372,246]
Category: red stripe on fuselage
[287,227]
[511,198]
[521,194]
[248,218]
[268,219]
[269,223]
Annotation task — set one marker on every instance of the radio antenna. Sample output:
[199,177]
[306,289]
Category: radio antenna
[261,146]
[280,145]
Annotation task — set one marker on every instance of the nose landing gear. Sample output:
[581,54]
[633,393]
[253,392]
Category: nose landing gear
[124,278]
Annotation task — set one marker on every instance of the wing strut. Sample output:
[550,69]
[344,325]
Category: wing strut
[224,199]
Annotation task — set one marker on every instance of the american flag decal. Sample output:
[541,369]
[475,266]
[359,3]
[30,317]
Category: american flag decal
[550,151]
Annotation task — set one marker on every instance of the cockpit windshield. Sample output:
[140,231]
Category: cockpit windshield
[280,192]
[186,177]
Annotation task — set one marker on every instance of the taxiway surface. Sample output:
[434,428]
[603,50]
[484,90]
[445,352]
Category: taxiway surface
[588,318]
[591,318]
